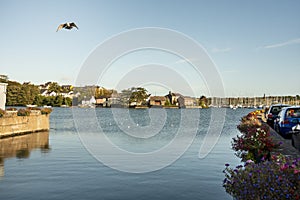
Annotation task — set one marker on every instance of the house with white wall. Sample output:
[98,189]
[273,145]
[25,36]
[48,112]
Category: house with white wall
[3,87]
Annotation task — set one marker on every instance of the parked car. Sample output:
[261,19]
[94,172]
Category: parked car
[273,111]
[287,118]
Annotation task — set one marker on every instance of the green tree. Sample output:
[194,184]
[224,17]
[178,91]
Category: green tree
[138,95]
[67,101]
[12,94]
[167,102]
[100,91]
[49,101]
[28,93]
[38,100]
[58,100]
[54,87]
[203,102]
[20,94]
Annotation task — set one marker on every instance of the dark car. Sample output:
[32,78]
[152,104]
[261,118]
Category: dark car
[287,118]
[273,111]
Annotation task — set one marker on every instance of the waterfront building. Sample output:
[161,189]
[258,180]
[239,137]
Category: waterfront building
[157,101]
[3,87]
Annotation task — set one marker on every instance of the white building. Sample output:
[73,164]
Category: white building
[3,87]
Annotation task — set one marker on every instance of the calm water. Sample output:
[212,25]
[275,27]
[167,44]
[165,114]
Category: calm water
[56,165]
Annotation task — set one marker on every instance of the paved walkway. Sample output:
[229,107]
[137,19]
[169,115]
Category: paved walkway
[286,147]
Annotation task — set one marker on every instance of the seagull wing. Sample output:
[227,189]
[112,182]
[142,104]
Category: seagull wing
[60,27]
[73,25]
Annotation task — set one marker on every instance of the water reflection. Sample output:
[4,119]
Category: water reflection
[1,167]
[21,146]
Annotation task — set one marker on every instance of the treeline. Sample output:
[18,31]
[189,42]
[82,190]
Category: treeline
[55,95]
[54,101]
[18,94]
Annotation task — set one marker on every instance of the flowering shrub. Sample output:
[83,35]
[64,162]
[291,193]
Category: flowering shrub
[275,179]
[255,142]
[262,176]
[255,145]
[2,112]
[23,112]
[249,121]
[46,111]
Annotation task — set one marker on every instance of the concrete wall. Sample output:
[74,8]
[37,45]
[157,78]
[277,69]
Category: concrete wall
[3,95]
[17,125]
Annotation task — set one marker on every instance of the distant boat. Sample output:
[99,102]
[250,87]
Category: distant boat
[45,106]
[31,106]
[86,106]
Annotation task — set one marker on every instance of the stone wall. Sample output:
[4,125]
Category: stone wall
[17,125]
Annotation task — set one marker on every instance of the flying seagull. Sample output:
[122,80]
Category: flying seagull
[67,26]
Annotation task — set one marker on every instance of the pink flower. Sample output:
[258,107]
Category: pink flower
[249,161]
[283,167]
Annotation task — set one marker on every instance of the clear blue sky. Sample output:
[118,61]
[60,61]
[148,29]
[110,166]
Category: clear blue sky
[255,44]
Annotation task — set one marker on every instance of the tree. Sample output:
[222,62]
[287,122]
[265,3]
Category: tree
[138,95]
[54,87]
[28,93]
[58,101]
[13,91]
[203,102]
[20,94]
[100,91]
[167,103]
[67,101]
[49,101]
[38,100]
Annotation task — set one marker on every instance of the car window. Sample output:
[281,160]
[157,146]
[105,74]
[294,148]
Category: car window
[293,112]
[275,110]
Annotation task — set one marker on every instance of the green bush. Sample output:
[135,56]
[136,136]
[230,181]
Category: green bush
[23,112]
